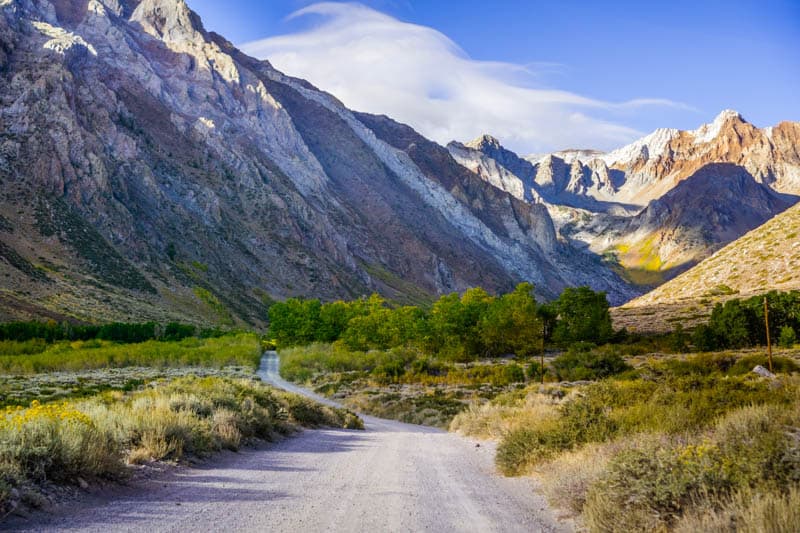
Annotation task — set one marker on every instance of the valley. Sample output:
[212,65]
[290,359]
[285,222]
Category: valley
[238,297]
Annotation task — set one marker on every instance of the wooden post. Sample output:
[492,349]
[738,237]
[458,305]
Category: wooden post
[542,359]
[766,322]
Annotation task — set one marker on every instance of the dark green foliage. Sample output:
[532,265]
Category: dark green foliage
[49,331]
[127,333]
[582,316]
[704,338]
[740,323]
[582,362]
[678,340]
[172,252]
[116,332]
[175,331]
[788,337]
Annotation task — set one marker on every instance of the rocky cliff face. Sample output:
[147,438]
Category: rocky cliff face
[151,170]
[664,202]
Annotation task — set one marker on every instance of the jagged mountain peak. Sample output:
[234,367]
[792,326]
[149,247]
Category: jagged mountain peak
[483,142]
[221,184]
[169,20]
[709,132]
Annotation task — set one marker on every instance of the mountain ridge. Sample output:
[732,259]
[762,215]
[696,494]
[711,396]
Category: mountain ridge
[225,184]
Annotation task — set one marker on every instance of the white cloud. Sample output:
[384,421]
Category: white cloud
[416,75]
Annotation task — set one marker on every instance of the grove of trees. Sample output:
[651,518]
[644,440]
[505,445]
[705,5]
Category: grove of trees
[740,323]
[122,332]
[455,327]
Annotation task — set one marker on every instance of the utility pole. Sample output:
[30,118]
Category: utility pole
[766,321]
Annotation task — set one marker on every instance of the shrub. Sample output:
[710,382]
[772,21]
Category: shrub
[582,362]
[788,337]
[196,416]
[241,349]
[654,482]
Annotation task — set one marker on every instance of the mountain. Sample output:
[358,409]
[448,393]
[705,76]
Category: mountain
[150,170]
[655,164]
[663,203]
[714,206]
[762,260]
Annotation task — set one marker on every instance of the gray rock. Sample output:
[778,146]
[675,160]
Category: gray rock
[763,372]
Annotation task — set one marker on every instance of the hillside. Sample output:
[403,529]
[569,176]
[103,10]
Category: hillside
[762,260]
[150,170]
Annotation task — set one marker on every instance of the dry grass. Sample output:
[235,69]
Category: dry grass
[96,437]
[763,259]
[748,511]
[567,478]
[506,413]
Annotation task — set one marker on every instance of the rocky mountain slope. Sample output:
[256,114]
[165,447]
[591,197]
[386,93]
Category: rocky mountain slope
[151,170]
[661,204]
[764,259]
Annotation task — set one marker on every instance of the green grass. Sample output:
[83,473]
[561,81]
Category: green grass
[242,349]
[399,383]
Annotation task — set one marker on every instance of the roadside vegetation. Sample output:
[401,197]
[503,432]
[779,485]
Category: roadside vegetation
[93,439]
[424,365]
[35,356]
[81,403]
[676,444]
[627,432]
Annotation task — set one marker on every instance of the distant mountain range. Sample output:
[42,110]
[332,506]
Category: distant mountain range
[658,206]
[150,170]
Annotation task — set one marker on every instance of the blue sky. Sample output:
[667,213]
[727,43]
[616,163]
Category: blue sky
[598,73]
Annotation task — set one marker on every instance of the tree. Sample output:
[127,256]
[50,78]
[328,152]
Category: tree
[294,321]
[582,317]
[734,324]
[512,325]
[704,338]
[677,339]
[788,338]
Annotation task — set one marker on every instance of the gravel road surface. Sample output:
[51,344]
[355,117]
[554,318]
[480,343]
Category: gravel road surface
[391,477]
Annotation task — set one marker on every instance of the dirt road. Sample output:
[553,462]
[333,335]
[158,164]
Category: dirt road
[391,477]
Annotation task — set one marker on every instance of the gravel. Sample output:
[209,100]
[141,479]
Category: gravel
[391,477]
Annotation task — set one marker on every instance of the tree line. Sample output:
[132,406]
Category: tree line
[456,327]
[739,323]
[122,332]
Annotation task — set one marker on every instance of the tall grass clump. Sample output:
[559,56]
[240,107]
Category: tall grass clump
[241,349]
[658,482]
[693,444]
[96,437]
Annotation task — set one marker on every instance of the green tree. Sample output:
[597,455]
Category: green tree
[295,321]
[678,339]
[582,317]
[704,338]
[511,324]
[787,338]
[734,324]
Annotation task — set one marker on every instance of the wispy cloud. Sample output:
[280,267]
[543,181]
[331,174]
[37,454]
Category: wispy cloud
[375,63]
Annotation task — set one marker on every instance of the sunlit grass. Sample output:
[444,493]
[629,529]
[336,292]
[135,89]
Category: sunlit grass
[233,350]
